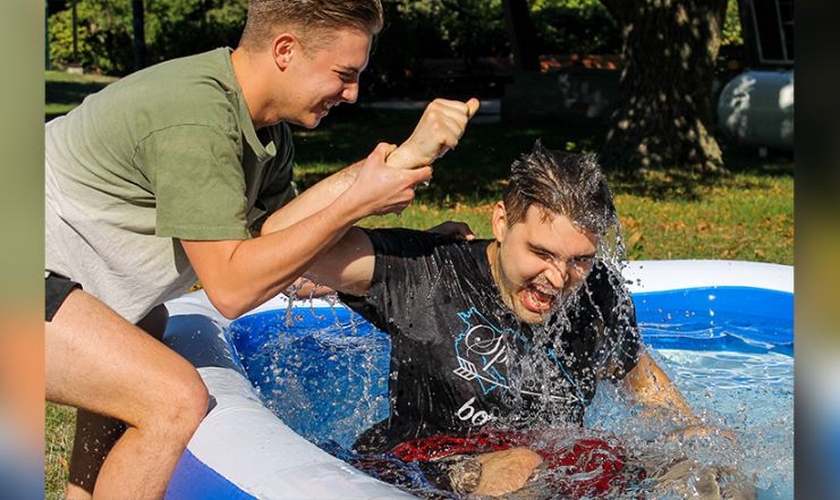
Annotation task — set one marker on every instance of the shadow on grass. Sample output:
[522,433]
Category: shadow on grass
[64,95]
[475,171]
[71,92]
[676,184]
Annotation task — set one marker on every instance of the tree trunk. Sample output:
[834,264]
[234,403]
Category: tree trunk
[523,41]
[139,23]
[663,113]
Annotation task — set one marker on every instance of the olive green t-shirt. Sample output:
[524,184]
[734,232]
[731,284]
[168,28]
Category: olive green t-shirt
[164,154]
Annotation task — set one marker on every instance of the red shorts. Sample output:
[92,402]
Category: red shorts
[583,468]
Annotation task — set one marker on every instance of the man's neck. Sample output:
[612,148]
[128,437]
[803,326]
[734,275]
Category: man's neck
[247,71]
[493,258]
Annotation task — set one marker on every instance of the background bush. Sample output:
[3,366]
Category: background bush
[173,28]
[415,31]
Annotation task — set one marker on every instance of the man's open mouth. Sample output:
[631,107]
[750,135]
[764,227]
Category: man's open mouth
[538,301]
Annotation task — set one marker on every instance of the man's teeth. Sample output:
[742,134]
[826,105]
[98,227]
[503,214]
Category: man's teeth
[540,298]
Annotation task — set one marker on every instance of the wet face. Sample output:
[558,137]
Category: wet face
[323,77]
[538,261]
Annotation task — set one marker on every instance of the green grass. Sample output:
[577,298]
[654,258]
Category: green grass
[747,215]
[65,91]
[60,429]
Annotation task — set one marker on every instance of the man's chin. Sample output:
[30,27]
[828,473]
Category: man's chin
[533,317]
[312,120]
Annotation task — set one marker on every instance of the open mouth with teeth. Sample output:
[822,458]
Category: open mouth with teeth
[326,107]
[538,301]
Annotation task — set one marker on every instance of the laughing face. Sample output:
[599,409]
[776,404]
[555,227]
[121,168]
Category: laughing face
[538,261]
[324,76]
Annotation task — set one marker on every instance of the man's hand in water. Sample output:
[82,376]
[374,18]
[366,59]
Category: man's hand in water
[506,471]
[699,431]
[439,130]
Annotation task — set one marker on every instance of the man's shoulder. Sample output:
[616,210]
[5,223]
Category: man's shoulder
[190,89]
[605,278]
[213,62]
[415,243]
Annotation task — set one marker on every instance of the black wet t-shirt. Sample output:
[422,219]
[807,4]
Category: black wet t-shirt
[460,360]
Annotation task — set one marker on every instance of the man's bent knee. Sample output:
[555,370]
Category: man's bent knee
[188,407]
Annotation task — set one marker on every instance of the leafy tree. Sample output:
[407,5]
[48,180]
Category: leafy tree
[416,31]
[173,28]
[664,110]
[574,27]
[104,38]
[177,28]
[732,35]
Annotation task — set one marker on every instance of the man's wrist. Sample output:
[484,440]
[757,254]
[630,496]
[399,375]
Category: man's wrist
[398,159]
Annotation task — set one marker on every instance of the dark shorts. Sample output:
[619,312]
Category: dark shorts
[56,289]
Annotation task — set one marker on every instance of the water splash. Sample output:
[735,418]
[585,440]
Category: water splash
[325,375]
[758,409]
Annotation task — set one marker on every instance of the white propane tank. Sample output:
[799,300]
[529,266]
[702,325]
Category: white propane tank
[756,108]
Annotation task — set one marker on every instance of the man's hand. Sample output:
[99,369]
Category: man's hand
[453,229]
[506,471]
[379,189]
[700,430]
[304,288]
[439,130]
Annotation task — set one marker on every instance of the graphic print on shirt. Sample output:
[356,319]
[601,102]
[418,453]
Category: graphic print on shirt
[481,350]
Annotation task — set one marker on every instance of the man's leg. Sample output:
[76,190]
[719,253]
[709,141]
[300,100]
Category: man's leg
[97,360]
[97,434]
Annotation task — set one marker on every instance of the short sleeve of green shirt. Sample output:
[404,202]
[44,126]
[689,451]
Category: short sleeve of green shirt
[196,173]
[277,179]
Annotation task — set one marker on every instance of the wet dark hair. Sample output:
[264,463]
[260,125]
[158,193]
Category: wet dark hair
[562,183]
[309,17]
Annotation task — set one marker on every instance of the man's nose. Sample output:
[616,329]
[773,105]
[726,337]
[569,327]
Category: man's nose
[350,92]
[558,274]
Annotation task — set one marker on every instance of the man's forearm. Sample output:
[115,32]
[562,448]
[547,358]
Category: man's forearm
[347,266]
[312,200]
[652,388]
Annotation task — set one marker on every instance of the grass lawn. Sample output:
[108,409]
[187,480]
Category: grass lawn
[747,215]
[64,91]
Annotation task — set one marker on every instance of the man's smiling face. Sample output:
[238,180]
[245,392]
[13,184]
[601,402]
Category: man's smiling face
[539,260]
[324,76]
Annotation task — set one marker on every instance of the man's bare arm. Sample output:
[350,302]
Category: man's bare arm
[652,388]
[347,266]
[238,275]
[439,129]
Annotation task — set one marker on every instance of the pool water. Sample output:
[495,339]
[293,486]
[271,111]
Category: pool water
[730,351]
[324,372]
[748,393]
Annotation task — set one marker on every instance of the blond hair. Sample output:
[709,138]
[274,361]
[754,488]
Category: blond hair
[313,20]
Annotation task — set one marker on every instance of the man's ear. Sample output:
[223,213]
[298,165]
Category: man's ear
[283,49]
[500,221]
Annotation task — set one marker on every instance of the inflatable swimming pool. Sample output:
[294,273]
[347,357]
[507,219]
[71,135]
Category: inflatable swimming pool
[242,450]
